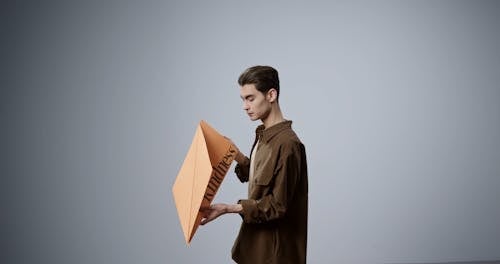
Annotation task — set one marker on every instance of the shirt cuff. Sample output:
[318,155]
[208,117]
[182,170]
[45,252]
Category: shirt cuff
[249,212]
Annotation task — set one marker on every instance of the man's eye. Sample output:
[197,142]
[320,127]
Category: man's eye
[251,99]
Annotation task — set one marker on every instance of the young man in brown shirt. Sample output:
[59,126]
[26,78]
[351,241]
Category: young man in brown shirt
[274,228]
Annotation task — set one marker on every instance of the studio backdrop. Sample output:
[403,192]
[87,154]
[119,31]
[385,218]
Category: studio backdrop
[397,103]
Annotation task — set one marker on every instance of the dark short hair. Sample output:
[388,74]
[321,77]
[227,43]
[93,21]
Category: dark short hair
[264,78]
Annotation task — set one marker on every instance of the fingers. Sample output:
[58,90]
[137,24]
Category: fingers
[205,220]
[208,217]
[211,213]
[207,213]
[232,143]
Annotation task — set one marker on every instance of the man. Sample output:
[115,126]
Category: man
[274,228]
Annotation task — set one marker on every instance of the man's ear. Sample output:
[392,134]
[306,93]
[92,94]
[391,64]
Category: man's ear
[272,95]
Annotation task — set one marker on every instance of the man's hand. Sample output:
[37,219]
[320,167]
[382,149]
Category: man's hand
[240,157]
[216,210]
[232,143]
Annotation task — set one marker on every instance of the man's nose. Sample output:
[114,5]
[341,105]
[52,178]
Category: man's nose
[245,106]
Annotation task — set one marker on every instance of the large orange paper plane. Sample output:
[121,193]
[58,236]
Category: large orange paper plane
[200,176]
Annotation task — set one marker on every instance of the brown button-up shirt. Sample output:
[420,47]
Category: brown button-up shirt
[274,228]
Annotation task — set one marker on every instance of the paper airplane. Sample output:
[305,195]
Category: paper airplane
[200,176]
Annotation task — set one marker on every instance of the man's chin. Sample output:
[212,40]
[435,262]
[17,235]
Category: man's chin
[254,118]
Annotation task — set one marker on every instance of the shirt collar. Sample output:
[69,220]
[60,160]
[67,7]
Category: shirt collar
[267,134]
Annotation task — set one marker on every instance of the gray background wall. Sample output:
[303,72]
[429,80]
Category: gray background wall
[396,101]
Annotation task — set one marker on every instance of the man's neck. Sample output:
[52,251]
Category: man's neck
[274,117]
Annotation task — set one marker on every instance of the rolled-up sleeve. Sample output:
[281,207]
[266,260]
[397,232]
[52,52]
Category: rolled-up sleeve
[242,170]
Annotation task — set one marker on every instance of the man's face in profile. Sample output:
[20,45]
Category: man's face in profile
[256,104]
